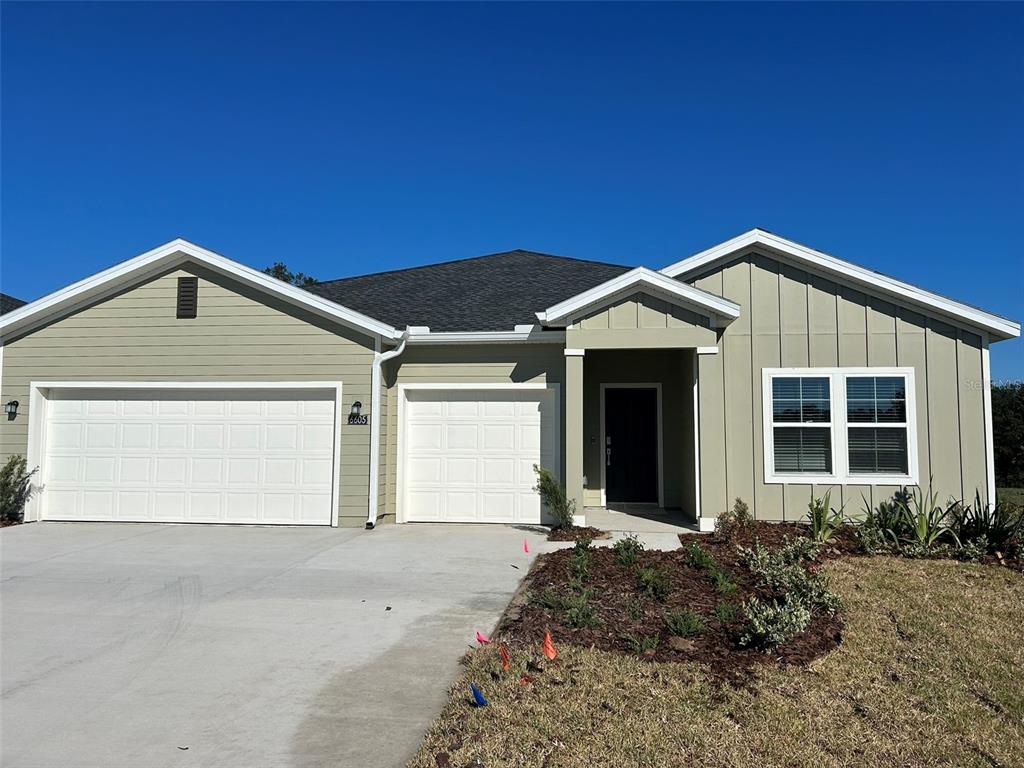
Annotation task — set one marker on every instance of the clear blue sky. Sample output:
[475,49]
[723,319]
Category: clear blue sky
[352,138]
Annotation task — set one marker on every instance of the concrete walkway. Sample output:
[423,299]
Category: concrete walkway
[150,646]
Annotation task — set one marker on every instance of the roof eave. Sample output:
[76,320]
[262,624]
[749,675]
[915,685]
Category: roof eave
[167,256]
[997,327]
[719,310]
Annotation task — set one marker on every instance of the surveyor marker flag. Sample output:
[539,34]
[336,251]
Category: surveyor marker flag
[549,647]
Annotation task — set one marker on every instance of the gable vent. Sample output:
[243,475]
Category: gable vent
[188,297]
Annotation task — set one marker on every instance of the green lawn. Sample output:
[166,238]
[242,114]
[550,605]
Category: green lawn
[930,672]
[1012,495]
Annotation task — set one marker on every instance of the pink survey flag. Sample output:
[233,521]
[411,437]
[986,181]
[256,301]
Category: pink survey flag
[526,547]
[482,638]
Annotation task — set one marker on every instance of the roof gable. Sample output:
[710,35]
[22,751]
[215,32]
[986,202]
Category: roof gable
[844,272]
[168,256]
[720,311]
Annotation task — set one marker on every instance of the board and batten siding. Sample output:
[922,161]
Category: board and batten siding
[793,318]
[461,365]
[239,335]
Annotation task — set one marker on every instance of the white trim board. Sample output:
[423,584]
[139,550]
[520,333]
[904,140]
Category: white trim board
[838,425]
[39,402]
[401,445]
[168,256]
[661,443]
[719,310]
[889,287]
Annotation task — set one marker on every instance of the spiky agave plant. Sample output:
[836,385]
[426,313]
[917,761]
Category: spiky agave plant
[927,520]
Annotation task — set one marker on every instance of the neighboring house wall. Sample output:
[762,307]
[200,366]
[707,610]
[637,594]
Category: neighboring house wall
[461,365]
[239,335]
[793,318]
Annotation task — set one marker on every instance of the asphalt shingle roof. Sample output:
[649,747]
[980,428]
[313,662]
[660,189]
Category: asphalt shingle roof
[9,303]
[487,293]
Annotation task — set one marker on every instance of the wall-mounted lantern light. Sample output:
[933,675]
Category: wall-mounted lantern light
[355,415]
[11,409]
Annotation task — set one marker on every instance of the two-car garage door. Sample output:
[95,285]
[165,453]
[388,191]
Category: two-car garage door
[468,454]
[263,456]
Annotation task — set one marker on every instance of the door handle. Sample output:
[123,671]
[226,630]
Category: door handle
[608,457]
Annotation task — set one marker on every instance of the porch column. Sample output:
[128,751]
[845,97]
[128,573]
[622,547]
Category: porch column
[574,426]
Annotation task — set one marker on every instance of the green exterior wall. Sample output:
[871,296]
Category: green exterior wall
[794,318]
[239,335]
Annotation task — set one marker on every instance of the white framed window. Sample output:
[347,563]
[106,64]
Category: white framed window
[839,426]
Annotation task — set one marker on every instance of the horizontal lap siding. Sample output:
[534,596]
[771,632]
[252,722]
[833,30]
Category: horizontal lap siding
[794,318]
[461,365]
[239,335]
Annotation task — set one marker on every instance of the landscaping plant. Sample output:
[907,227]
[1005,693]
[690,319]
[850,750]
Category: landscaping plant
[700,557]
[578,610]
[731,522]
[1000,525]
[685,623]
[15,489]
[928,522]
[627,550]
[824,520]
[769,624]
[641,643]
[654,582]
[553,496]
[582,559]
[726,612]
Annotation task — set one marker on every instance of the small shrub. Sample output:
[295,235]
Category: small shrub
[824,520]
[726,612]
[578,610]
[635,610]
[654,582]
[685,623]
[627,550]
[641,643]
[767,625]
[581,560]
[725,584]
[700,557]
[884,525]
[547,598]
[974,549]
[15,489]
[783,572]
[731,522]
[553,496]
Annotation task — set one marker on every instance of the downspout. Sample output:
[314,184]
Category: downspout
[379,358]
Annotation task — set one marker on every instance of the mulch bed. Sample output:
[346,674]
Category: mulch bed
[573,532]
[774,535]
[624,609]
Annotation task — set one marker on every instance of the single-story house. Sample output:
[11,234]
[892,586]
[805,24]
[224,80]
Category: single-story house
[182,386]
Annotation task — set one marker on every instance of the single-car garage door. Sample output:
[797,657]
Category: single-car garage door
[468,455]
[189,456]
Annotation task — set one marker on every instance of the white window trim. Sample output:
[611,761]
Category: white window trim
[841,474]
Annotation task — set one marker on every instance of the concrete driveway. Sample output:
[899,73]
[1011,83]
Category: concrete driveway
[148,646]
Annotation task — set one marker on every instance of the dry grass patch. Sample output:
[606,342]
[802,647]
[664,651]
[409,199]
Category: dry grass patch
[929,673]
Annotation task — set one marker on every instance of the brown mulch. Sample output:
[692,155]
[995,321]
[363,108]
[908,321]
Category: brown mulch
[573,532]
[623,609]
[774,535]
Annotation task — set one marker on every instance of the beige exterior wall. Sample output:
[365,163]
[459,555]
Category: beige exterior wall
[640,322]
[793,318]
[464,364]
[239,335]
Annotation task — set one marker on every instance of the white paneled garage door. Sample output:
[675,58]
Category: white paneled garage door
[469,454]
[189,456]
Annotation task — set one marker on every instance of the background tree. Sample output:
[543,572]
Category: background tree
[280,270]
[1008,433]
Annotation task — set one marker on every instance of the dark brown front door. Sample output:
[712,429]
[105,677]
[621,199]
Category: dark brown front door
[631,444]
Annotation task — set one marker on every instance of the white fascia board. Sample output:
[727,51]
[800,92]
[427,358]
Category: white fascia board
[522,334]
[168,256]
[906,293]
[720,310]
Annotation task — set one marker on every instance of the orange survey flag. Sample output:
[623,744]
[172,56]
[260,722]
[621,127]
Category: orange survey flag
[503,652]
[549,647]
